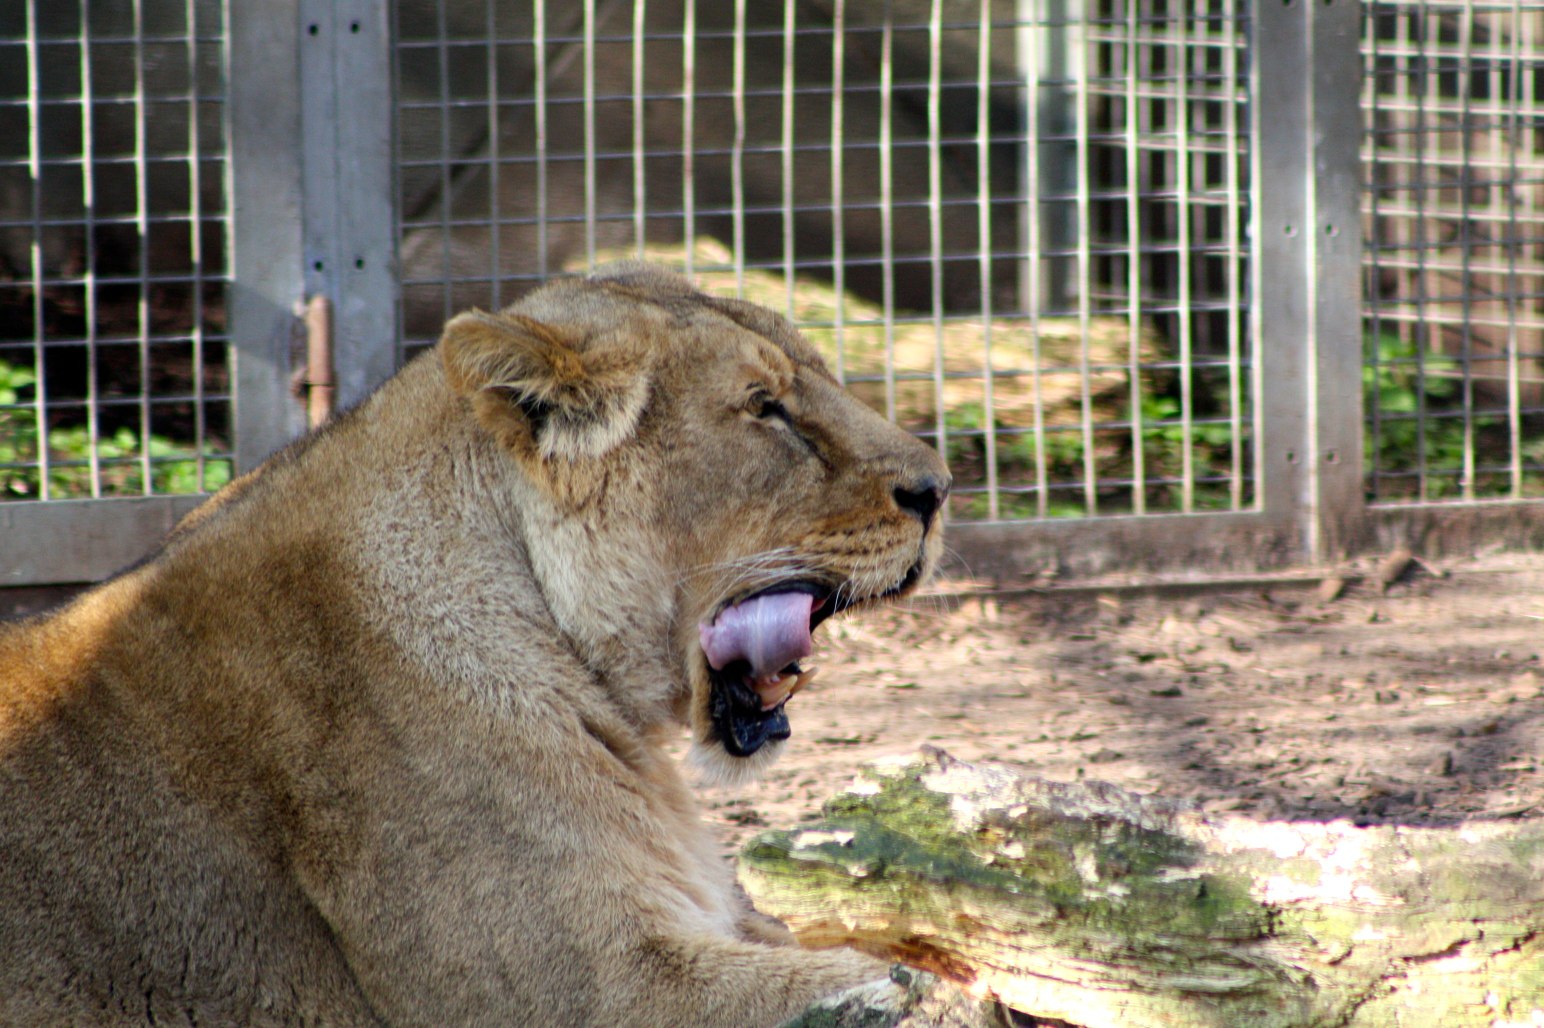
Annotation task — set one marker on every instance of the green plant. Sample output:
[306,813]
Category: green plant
[1016,447]
[18,432]
[1414,393]
[1164,440]
[174,465]
[1020,507]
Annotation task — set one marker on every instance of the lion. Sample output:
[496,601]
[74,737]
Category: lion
[380,733]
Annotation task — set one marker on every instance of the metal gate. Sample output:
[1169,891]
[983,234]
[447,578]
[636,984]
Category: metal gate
[1107,255]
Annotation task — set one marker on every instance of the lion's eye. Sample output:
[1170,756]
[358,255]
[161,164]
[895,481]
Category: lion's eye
[768,406]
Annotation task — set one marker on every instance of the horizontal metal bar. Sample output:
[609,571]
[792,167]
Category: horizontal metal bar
[1200,94]
[64,541]
[111,40]
[1011,553]
[1217,20]
[1458,528]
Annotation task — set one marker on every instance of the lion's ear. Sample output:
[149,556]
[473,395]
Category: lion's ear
[537,391]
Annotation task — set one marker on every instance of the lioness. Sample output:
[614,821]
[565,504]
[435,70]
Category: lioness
[378,734]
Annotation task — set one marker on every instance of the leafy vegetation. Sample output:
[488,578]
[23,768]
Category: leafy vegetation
[1163,437]
[173,465]
[1414,394]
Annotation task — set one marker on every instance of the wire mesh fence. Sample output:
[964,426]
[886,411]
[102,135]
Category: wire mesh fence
[1454,206]
[1017,229]
[113,225]
[1055,238]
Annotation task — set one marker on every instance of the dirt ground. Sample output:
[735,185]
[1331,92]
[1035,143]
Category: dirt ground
[1418,702]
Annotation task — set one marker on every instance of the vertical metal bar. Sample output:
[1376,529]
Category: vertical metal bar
[539,44]
[142,226]
[1235,260]
[1420,137]
[935,221]
[491,55]
[348,207]
[1525,202]
[264,173]
[789,9]
[1512,140]
[688,125]
[1078,53]
[1373,182]
[447,181]
[838,234]
[196,249]
[1182,201]
[1280,306]
[640,195]
[887,200]
[588,103]
[398,157]
[1466,230]
[737,154]
[1060,40]
[984,249]
[39,324]
[1410,166]
[1134,262]
[1334,278]
[1393,173]
[88,202]
[1028,45]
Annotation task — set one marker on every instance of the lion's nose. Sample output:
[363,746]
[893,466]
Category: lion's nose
[923,497]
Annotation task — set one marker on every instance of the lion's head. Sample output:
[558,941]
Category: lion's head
[700,491]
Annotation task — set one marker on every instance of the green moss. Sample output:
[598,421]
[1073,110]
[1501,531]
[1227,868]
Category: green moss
[1102,887]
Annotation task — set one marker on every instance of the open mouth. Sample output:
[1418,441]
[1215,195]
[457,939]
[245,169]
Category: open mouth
[753,648]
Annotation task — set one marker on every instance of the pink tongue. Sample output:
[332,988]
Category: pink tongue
[770,632]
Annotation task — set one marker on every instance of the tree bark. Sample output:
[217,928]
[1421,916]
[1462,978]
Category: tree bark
[1088,905]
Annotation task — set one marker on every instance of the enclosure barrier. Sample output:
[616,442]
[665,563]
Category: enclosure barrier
[1163,292]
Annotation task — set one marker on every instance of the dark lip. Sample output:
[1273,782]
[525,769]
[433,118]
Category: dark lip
[830,599]
[822,592]
[739,722]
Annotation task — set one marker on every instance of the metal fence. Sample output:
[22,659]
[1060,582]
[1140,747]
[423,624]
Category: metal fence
[1018,230]
[1454,206]
[1107,255]
[112,291]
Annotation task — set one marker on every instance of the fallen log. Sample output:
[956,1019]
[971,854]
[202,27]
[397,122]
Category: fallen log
[1084,904]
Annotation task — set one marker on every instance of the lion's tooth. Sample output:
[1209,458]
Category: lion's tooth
[774,690]
[801,680]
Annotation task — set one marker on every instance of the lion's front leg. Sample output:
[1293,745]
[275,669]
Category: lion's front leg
[558,894]
[755,926]
[712,982]
[446,955]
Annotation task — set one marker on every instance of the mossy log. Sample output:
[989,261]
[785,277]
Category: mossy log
[1097,907]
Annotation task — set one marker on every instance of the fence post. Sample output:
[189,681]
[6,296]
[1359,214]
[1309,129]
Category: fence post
[1307,286]
[311,120]
[350,223]
[1335,191]
[1279,306]
[267,278]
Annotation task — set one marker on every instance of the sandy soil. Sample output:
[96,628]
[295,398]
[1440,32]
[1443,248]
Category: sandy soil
[1418,702]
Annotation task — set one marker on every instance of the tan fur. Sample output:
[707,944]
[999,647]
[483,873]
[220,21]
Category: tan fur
[376,736]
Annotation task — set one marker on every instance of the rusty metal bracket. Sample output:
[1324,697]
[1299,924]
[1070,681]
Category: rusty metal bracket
[319,382]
